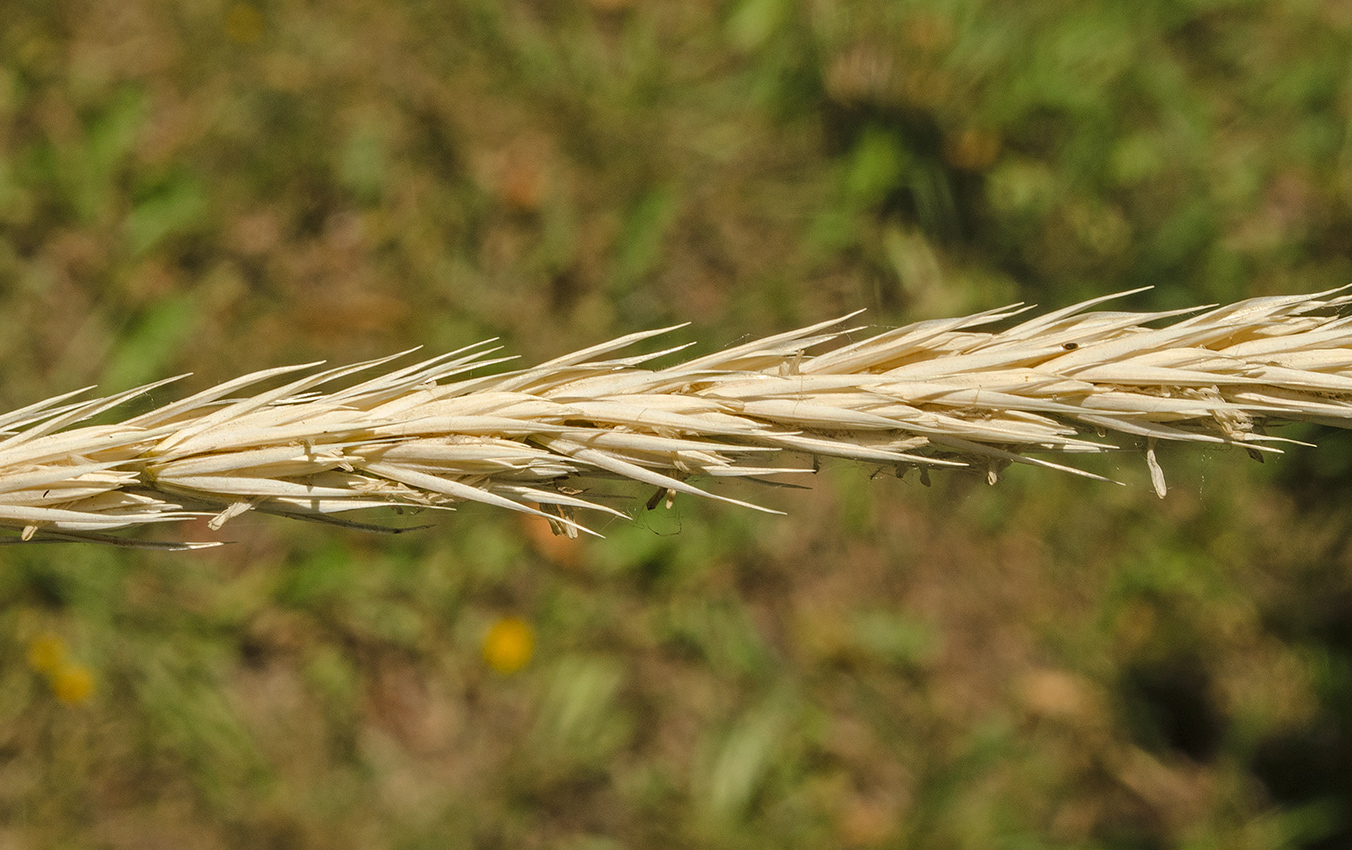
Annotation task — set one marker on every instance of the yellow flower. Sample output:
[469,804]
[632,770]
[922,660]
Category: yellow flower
[46,652]
[509,645]
[73,684]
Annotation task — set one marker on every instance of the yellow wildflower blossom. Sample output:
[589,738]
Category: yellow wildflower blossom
[46,652]
[509,644]
[73,684]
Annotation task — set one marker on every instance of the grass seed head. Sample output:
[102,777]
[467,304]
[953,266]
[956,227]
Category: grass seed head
[952,392]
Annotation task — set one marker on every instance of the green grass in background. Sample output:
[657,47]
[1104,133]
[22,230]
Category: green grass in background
[223,186]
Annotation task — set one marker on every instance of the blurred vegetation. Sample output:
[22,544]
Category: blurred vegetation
[220,186]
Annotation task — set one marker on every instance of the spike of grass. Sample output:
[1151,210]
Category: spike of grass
[936,393]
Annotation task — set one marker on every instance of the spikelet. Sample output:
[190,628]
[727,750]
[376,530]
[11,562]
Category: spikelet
[429,435]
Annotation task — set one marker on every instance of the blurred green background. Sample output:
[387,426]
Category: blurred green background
[217,186]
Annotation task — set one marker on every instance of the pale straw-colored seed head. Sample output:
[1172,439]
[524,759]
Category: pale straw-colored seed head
[941,393]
